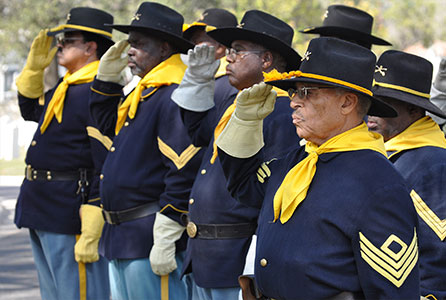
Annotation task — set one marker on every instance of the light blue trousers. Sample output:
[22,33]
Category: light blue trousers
[199,293]
[133,279]
[60,276]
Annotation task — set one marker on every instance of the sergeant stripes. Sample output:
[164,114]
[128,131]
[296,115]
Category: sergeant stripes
[395,267]
[179,160]
[428,216]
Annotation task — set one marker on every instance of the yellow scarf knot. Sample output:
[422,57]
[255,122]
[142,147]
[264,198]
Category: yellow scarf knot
[168,72]
[296,183]
[56,104]
[423,132]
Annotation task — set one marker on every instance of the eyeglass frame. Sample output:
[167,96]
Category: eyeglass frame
[62,40]
[302,92]
[238,53]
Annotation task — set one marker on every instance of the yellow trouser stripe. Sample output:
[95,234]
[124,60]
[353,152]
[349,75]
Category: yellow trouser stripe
[82,277]
[165,287]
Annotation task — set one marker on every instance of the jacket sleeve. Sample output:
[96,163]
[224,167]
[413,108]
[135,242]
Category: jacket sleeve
[385,245]
[32,109]
[181,158]
[105,98]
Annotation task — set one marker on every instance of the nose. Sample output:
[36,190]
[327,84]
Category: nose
[295,102]
[229,58]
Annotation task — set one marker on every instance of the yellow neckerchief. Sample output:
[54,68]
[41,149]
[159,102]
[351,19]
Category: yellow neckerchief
[423,132]
[222,68]
[170,71]
[294,187]
[55,107]
[225,119]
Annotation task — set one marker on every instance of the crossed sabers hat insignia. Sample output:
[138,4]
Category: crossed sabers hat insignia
[381,70]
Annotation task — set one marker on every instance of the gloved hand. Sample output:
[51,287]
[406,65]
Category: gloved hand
[440,79]
[243,135]
[165,233]
[92,222]
[30,81]
[113,62]
[196,91]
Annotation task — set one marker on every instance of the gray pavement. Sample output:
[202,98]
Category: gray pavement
[18,275]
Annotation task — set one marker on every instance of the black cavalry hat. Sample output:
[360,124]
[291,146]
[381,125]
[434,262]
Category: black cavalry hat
[160,21]
[86,19]
[348,23]
[264,29]
[335,62]
[211,19]
[405,77]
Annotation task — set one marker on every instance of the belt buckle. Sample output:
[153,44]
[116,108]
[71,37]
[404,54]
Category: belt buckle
[29,173]
[191,229]
[107,217]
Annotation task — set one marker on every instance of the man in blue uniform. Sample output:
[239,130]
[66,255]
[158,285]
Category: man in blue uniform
[149,171]
[336,218]
[220,228]
[349,24]
[61,181]
[417,147]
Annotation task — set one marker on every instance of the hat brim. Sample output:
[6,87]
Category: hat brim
[379,91]
[227,35]
[378,108]
[56,32]
[180,43]
[347,33]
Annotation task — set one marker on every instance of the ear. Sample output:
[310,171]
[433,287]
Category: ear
[91,48]
[165,50]
[349,101]
[267,60]
[220,51]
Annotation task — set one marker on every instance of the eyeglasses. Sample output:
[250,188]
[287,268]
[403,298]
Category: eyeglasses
[302,92]
[67,40]
[241,53]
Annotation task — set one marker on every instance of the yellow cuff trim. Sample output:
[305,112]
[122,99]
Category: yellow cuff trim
[395,267]
[401,88]
[428,216]
[42,100]
[181,160]
[94,200]
[276,75]
[96,134]
[174,208]
[104,94]
[82,28]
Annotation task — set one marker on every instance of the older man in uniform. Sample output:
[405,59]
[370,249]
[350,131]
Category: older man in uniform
[220,228]
[336,218]
[348,23]
[417,147]
[61,161]
[149,171]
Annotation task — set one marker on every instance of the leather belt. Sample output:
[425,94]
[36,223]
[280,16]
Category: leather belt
[32,174]
[121,216]
[220,231]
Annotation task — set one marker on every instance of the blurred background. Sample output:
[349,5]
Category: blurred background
[415,26]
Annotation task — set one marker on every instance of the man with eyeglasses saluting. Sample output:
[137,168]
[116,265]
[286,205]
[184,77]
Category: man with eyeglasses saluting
[59,198]
[219,227]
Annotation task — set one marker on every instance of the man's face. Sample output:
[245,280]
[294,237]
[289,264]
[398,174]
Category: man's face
[144,53]
[390,127]
[317,116]
[71,54]
[245,67]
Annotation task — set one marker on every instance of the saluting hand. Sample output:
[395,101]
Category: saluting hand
[113,62]
[202,63]
[256,102]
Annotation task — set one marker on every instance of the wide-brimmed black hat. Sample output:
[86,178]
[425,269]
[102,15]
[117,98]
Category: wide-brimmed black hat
[86,19]
[348,23]
[405,77]
[211,19]
[160,21]
[263,29]
[335,62]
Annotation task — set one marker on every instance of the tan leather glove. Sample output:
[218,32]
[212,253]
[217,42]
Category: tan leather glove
[113,62]
[243,135]
[30,81]
[92,222]
[165,233]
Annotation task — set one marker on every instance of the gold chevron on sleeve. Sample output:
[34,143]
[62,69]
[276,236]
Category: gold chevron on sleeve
[428,216]
[96,134]
[181,160]
[263,172]
[395,267]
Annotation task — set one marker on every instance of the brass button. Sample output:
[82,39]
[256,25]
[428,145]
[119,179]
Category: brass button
[263,262]
[191,229]
[126,124]
[112,149]
[48,175]
[203,171]
[101,176]
[33,143]
[191,201]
